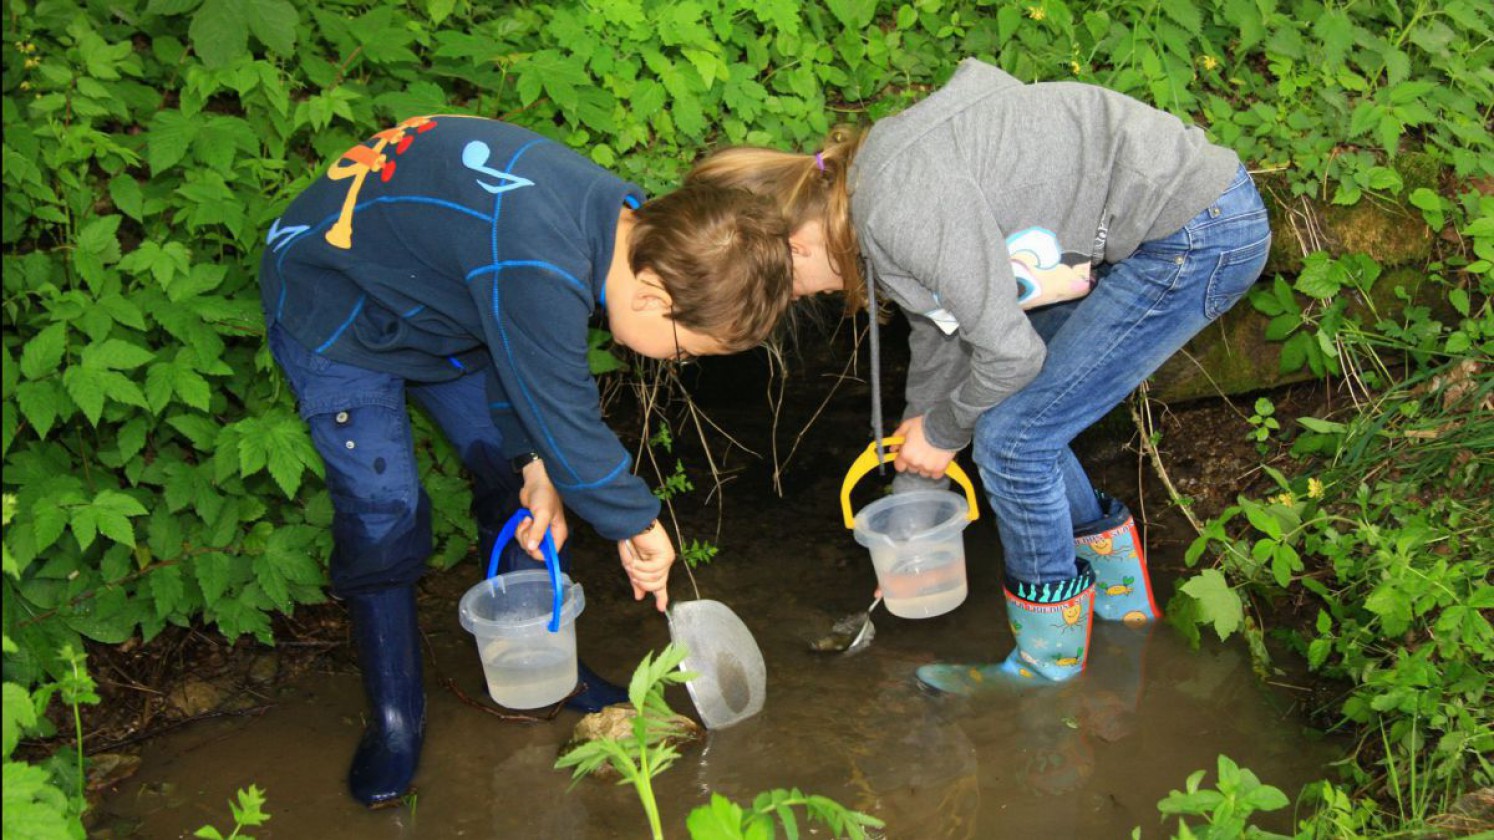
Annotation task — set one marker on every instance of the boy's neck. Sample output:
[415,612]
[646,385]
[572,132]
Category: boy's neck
[620,276]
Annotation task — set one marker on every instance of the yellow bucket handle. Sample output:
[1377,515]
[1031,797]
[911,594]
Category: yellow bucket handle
[868,459]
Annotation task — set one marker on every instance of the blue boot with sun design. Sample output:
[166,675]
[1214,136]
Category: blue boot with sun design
[1051,623]
[1112,547]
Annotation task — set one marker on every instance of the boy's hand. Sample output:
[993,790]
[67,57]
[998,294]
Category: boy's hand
[646,559]
[917,455]
[542,500]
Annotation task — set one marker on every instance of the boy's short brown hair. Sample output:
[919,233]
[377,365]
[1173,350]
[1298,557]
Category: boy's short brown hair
[723,256]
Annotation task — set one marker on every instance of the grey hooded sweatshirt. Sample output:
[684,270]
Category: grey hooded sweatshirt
[991,197]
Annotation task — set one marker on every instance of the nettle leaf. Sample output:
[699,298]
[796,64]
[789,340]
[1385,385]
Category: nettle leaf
[280,442]
[41,403]
[1185,13]
[288,560]
[214,571]
[123,310]
[167,590]
[219,32]
[42,353]
[96,246]
[169,136]
[163,262]
[273,22]
[854,14]
[1336,32]
[171,7]
[115,354]
[109,514]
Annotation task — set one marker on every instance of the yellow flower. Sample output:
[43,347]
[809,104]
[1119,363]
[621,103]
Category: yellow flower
[1074,66]
[1036,12]
[33,63]
[1209,62]
[1282,499]
[1314,489]
[25,85]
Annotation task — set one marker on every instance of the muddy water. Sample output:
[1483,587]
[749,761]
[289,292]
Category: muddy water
[1088,759]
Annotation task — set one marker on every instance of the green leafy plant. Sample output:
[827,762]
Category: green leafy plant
[36,803]
[1226,809]
[649,750]
[1386,529]
[1263,423]
[160,473]
[248,812]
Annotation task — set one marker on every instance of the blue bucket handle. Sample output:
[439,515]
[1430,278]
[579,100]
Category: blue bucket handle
[552,560]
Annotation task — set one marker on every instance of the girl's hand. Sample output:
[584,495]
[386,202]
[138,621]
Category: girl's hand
[646,559]
[917,455]
[543,501]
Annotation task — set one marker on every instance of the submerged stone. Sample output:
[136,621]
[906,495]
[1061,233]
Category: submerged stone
[616,723]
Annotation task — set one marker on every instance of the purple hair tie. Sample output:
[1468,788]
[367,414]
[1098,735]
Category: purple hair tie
[819,161]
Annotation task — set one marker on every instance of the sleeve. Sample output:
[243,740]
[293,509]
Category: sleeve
[515,438]
[535,317]
[943,235]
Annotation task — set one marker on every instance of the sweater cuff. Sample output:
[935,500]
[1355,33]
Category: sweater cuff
[941,430]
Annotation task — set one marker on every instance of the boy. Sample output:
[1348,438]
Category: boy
[459,260]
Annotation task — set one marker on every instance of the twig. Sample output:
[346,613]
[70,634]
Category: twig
[1143,419]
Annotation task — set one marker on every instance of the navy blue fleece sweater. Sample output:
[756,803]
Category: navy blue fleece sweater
[450,245]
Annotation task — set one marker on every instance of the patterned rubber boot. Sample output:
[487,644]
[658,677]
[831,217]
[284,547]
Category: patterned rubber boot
[593,693]
[1112,546]
[1051,623]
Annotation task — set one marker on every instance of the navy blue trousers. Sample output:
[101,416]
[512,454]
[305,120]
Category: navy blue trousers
[360,425]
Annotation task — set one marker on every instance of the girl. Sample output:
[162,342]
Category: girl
[1052,245]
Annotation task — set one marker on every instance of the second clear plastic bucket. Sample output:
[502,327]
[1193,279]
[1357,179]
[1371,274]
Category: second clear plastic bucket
[527,666]
[917,546]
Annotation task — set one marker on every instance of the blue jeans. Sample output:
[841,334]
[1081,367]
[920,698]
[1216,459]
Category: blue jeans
[1100,347]
[361,427]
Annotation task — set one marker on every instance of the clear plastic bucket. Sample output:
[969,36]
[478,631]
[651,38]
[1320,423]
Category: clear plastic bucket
[918,549]
[527,666]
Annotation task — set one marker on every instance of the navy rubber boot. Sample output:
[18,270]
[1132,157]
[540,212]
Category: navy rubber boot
[593,693]
[387,637]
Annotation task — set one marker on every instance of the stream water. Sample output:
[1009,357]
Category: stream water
[1089,759]
[1086,759]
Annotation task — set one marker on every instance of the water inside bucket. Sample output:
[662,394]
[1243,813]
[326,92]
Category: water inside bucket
[525,664]
[923,585]
[917,547]
[527,676]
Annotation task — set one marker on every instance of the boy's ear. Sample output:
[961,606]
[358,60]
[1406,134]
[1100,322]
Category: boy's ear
[649,294]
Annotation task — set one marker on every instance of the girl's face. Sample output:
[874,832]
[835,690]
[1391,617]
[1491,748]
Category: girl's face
[813,271]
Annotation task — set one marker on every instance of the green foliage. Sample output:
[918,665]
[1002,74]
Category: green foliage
[159,470]
[1263,422]
[723,819]
[158,462]
[1226,810]
[649,749]
[1387,528]
[248,812]
[36,804]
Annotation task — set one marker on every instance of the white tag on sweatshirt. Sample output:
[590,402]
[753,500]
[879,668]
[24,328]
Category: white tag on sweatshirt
[943,320]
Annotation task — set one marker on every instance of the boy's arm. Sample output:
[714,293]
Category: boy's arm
[536,328]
